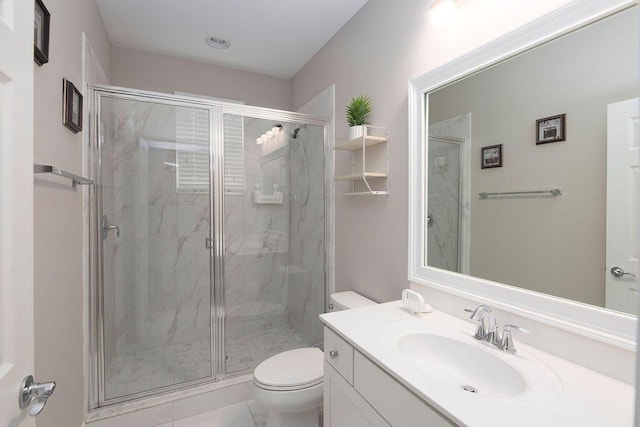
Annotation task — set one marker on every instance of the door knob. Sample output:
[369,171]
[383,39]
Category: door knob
[34,395]
[619,272]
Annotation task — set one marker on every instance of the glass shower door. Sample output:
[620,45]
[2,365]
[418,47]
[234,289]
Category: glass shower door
[154,209]
[274,238]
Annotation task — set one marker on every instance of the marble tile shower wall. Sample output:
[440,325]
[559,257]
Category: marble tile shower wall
[449,195]
[444,196]
[307,258]
[160,264]
[257,241]
[157,288]
[306,264]
[108,292]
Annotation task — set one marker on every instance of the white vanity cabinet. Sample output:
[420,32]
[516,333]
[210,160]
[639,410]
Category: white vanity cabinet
[358,393]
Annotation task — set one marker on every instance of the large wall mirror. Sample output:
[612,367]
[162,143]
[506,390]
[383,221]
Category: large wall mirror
[524,180]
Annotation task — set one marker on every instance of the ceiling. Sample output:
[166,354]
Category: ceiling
[272,37]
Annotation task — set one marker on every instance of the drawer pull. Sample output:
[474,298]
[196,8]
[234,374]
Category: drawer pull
[333,354]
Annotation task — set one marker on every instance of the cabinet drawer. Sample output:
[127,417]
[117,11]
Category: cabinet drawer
[398,405]
[339,354]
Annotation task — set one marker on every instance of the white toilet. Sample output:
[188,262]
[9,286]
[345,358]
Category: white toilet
[289,384]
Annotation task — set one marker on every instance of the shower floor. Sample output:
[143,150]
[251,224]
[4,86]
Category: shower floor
[245,350]
[143,370]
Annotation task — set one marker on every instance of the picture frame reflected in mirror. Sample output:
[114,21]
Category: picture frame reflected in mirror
[491,156]
[551,129]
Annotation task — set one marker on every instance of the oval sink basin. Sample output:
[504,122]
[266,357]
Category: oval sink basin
[463,365]
[452,356]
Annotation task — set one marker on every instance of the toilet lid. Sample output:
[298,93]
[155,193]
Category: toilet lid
[302,367]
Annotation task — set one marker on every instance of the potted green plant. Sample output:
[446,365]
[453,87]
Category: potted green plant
[358,111]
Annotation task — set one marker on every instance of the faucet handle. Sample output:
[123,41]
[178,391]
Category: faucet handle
[478,311]
[508,328]
[485,330]
[507,343]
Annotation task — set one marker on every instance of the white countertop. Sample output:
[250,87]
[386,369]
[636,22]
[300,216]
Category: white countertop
[583,397]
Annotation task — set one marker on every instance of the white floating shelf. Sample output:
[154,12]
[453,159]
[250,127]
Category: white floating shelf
[267,199]
[360,176]
[356,144]
[367,193]
[259,198]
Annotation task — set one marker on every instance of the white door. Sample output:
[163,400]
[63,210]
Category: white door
[16,206]
[623,132]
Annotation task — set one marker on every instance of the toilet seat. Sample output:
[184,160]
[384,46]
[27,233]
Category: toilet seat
[291,370]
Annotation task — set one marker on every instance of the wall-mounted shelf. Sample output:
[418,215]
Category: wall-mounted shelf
[367,193]
[364,157]
[259,198]
[357,144]
[360,176]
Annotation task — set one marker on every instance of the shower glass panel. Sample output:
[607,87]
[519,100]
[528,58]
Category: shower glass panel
[155,209]
[443,204]
[208,238]
[274,236]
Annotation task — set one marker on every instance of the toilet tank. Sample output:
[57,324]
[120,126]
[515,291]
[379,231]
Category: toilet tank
[348,299]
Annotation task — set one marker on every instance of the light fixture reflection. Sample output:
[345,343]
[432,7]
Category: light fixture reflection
[442,12]
[270,134]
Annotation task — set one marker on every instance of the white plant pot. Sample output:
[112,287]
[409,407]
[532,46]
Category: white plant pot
[356,132]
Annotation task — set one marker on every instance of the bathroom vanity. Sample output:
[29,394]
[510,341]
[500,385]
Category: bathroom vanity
[385,366]
[359,393]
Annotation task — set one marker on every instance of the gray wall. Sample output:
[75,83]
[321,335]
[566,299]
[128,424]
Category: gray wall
[382,47]
[552,245]
[58,222]
[161,73]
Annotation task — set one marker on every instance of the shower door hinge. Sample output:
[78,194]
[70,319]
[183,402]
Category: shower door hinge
[209,243]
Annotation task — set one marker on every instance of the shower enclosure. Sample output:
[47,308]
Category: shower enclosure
[444,203]
[208,240]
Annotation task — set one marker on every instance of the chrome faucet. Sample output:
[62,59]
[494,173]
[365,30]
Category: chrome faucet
[488,329]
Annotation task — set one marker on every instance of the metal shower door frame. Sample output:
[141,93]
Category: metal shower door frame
[95,312]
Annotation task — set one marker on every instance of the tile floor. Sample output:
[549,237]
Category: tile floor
[148,369]
[243,414]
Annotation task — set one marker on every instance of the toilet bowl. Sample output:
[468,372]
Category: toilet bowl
[289,385]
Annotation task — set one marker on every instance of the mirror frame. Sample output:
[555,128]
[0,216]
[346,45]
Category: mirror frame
[594,322]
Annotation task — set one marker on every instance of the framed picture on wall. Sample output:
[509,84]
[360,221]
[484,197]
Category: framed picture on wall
[551,129]
[491,156]
[41,33]
[71,106]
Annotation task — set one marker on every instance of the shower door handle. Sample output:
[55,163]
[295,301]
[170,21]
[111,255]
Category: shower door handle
[107,227]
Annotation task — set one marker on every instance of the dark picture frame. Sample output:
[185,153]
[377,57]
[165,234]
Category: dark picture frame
[491,156]
[41,23]
[551,129]
[71,106]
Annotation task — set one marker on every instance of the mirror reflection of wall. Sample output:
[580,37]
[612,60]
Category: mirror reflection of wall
[553,245]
